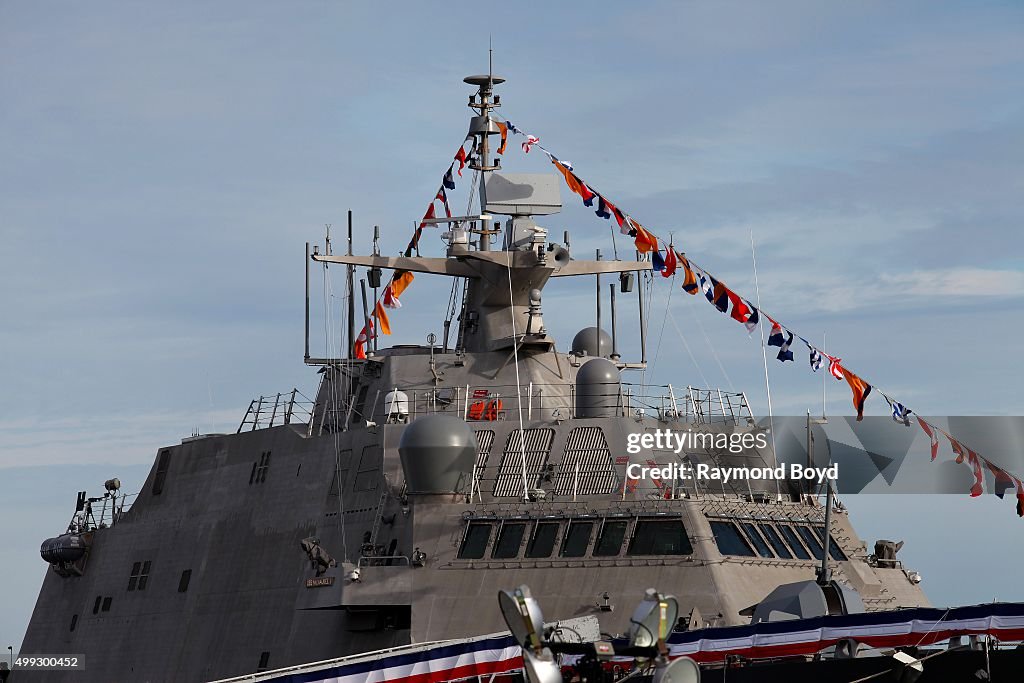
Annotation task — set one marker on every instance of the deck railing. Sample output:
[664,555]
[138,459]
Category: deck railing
[279,409]
[497,402]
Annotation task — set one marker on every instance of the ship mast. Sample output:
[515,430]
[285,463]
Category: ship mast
[481,127]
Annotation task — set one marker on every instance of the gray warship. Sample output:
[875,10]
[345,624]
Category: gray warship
[423,479]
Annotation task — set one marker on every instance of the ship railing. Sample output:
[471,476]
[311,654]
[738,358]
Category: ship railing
[290,407]
[107,511]
[687,404]
[539,401]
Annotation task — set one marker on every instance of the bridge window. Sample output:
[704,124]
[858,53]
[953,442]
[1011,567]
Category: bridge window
[577,538]
[812,542]
[834,551]
[729,540]
[794,542]
[609,543]
[759,545]
[543,540]
[510,538]
[659,537]
[475,542]
[777,543]
[74,622]
[106,604]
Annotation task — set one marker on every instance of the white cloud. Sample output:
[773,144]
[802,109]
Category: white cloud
[957,282]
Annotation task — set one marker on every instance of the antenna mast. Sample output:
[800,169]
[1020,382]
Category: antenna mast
[481,127]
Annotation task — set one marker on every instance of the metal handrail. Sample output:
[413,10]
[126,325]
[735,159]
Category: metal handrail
[497,402]
[282,408]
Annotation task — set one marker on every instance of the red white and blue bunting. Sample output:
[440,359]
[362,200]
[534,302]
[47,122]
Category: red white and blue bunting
[497,655]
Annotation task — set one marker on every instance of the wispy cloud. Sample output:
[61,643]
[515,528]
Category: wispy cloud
[128,438]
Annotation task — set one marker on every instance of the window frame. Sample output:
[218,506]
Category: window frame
[832,544]
[605,522]
[749,528]
[638,525]
[567,537]
[805,530]
[779,548]
[501,530]
[739,535]
[466,535]
[557,524]
[798,547]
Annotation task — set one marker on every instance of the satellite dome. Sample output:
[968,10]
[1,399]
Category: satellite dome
[436,452]
[598,389]
[586,342]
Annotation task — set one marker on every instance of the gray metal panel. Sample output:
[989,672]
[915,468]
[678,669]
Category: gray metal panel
[537,444]
[586,448]
[484,441]
[522,194]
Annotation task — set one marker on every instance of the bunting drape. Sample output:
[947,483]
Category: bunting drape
[725,300]
[401,279]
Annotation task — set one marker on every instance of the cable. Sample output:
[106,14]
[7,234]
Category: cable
[682,338]
[333,352]
[714,353]
[515,360]
[767,384]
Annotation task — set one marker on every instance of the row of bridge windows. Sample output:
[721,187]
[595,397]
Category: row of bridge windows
[610,537]
[574,538]
[773,540]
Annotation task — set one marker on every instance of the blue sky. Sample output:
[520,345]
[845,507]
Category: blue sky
[161,166]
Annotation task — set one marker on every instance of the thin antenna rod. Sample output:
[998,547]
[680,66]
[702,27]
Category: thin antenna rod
[823,381]
[643,319]
[370,332]
[351,291]
[376,275]
[306,356]
[764,357]
[597,346]
[615,338]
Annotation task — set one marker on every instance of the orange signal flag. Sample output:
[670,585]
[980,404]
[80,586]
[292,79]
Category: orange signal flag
[860,389]
[384,325]
[644,240]
[400,282]
[689,278]
[503,127]
[570,178]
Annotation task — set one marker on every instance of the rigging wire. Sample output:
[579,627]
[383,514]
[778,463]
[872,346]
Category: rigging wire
[664,321]
[515,360]
[764,356]
[649,293]
[714,353]
[334,352]
[686,345]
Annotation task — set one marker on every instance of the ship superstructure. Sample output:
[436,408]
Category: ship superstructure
[423,479]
